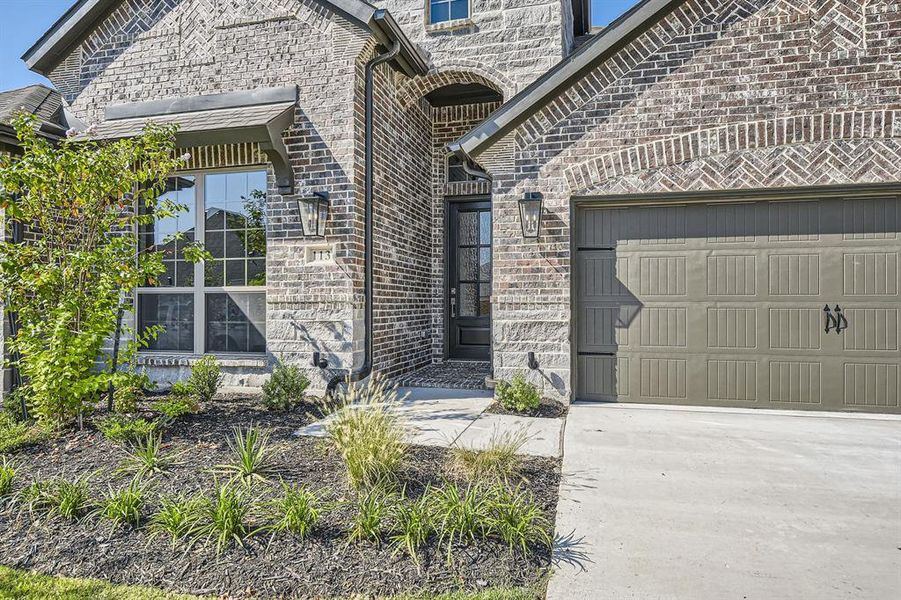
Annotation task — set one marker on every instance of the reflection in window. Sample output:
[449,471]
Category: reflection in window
[231,213]
[160,235]
[175,314]
[236,322]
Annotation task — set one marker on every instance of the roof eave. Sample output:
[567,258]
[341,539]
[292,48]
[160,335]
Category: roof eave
[564,74]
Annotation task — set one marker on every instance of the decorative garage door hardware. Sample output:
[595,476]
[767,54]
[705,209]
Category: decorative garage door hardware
[836,321]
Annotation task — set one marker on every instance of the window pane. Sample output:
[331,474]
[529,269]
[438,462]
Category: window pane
[439,12]
[484,299]
[236,205]
[459,9]
[159,235]
[214,273]
[469,300]
[469,228]
[468,269]
[485,264]
[485,227]
[236,322]
[174,312]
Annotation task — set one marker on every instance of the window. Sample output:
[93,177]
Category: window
[217,305]
[441,11]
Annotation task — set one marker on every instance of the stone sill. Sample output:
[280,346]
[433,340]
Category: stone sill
[449,25]
[187,360]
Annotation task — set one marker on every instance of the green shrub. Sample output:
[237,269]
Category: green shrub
[413,525]
[123,507]
[36,497]
[252,457]
[146,457]
[285,388]
[206,376]
[178,516]
[296,511]
[176,406]
[368,434]
[58,498]
[499,461]
[129,392]
[180,389]
[120,429]
[372,510]
[16,434]
[518,395]
[460,514]
[7,475]
[225,518]
[515,518]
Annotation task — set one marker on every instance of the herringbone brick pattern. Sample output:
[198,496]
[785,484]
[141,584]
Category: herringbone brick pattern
[838,25]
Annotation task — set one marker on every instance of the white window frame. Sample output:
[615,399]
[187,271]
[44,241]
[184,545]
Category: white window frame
[200,291]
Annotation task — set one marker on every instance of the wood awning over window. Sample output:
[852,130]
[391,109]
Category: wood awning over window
[259,116]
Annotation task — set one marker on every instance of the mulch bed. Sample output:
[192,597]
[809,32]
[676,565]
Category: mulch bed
[321,566]
[548,409]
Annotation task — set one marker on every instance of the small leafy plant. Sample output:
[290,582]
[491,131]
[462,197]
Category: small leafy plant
[252,456]
[296,511]
[285,388]
[68,499]
[515,518]
[123,507]
[146,457]
[499,461]
[120,429]
[368,434]
[225,518]
[413,525]
[178,517]
[36,498]
[206,376]
[176,406]
[16,434]
[372,510]
[518,395]
[7,475]
[460,514]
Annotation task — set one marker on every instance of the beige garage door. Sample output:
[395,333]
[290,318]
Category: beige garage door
[726,304]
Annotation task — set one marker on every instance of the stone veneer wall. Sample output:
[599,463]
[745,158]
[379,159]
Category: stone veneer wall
[509,42]
[718,95]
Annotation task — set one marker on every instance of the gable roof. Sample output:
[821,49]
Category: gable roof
[562,76]
[81,17]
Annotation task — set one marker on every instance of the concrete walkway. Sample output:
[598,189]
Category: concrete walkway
[449,417]
[665,503]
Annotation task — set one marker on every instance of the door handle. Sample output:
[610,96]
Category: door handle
[453,303]
[841,323]
[831,320]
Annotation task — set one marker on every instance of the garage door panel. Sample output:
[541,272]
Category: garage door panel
[732,275]
[724,304]
[871,385]
[870,273]
[732,381]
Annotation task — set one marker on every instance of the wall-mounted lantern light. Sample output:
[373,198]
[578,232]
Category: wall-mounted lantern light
[530,215]
[313,214]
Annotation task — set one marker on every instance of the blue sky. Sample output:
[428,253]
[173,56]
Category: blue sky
[23,21]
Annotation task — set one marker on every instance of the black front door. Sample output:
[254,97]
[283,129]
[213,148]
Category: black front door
[469,280]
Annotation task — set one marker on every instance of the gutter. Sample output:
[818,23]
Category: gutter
[366,368]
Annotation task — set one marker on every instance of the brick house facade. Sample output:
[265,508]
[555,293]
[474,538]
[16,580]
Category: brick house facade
[677,99]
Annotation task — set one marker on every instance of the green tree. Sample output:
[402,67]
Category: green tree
[70,280]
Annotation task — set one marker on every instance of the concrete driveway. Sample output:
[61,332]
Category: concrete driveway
[664,503]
